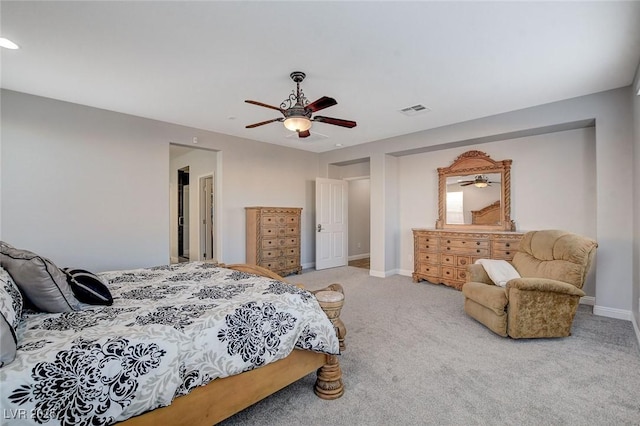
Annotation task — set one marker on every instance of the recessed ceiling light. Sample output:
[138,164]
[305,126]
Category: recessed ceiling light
[8,44]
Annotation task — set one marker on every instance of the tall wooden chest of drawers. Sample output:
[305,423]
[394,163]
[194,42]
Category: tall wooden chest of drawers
[273,238]
[442,256]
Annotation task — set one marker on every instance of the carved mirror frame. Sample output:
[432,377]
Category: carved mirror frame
[473,163]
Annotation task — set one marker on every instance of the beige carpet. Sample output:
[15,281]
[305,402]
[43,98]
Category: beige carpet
[414,358]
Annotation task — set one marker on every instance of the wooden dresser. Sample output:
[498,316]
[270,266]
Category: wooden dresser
[273,238]
[442,256]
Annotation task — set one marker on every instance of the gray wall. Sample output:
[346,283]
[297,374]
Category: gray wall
[90,188]
[611,111]
[73,178]
[636,179]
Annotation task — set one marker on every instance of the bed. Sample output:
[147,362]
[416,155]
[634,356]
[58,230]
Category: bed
[489,215]
[188,344]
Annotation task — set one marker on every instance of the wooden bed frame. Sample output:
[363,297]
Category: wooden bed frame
[222,398]
[489,215]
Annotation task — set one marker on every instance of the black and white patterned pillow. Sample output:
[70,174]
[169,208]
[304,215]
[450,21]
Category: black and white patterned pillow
[88,287]
[10,313]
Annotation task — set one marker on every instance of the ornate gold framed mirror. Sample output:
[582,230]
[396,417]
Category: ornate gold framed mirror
[474,192]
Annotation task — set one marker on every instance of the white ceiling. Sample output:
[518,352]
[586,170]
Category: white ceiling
[194,63]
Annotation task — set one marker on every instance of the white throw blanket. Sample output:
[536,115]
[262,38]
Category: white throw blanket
[500,271]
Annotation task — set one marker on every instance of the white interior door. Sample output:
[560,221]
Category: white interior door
[331,223]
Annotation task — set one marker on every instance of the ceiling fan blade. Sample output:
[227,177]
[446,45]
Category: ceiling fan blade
[251,126]
[304,134]
[322,103]
[335,121]
[264,105]
[467,183]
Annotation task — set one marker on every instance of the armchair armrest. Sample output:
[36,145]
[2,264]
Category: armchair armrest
[544,284]
[476,273]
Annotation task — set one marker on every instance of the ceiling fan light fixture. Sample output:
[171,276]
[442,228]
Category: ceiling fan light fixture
[8,44]
[297,124]
[481,184]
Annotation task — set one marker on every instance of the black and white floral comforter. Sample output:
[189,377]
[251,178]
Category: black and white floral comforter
[169,330]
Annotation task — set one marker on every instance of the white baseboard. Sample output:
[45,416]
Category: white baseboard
[635,327]
[406,272]
[359,256]
[383,274]
[612,313]
[309,265]
[173,259]
[588,300]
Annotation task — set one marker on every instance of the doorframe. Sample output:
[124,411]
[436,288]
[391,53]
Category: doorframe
[218,210]
[202,216]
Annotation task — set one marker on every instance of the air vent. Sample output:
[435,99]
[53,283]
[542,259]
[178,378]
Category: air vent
[414,110]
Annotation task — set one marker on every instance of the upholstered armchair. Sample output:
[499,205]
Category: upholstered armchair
[553,266]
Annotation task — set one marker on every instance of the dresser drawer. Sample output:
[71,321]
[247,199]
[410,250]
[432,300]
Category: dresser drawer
[505,245]
[269,220]
[448,272]
[291,230]
[448,259]
[471,251]
[427,243]
[503,254]
[452,242]
[274,264]
[272,243]
[271,231]
[432,270]
[461,274]
[463,261]
[290,220]
[427,257]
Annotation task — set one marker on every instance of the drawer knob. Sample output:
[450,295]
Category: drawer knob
[508,245]
[477,243]
[478,251]
[448,248]
[508,253]
[427,246]
[448,241]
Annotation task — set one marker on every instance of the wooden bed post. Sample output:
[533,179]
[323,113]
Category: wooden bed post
[329,381]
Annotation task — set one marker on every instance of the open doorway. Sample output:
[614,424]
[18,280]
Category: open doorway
[194,204]
[183,214]
[207,214]
[359,222]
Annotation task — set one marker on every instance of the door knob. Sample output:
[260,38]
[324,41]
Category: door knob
[319,227]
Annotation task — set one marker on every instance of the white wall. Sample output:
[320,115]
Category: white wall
[359,218]
[552,186]
[90,188]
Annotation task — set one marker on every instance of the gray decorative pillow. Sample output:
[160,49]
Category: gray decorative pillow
[42,282]
[10,314]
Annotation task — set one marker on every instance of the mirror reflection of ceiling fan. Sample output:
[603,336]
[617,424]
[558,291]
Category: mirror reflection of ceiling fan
[297,110]
[480,181]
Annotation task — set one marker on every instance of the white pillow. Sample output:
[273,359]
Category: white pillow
[500,271]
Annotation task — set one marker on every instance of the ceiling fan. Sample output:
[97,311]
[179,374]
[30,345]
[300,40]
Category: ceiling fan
[480,181]
[297,111]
